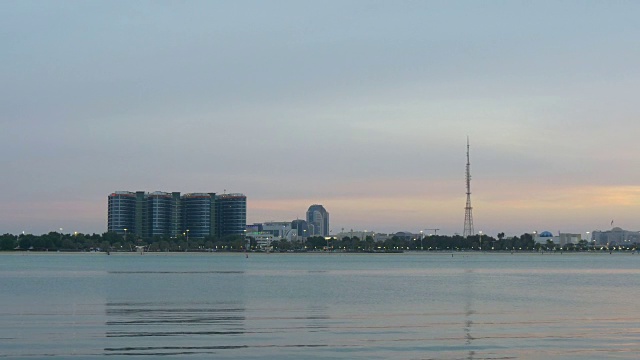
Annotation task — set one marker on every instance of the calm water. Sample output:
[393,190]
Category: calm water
[320,306]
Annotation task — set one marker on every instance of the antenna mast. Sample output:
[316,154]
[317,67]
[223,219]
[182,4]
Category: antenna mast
[468,217]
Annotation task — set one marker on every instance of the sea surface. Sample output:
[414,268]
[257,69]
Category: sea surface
[320,306]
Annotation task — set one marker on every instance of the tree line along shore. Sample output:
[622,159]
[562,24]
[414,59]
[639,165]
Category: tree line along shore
[110,241]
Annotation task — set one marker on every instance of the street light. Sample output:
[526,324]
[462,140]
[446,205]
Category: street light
[125,235]
[244,239]
[187,247]
[421,247]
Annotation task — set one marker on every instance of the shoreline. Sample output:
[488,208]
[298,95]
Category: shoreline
[241,253]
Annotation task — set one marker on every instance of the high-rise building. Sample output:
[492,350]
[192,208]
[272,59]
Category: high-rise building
[231,214]
[198,214]
[160,211]
[165,214]
[318,220]
[175,227]
[301,227]
[141,228]
[121,212]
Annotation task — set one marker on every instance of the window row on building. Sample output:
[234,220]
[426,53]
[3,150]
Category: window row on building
[165,214]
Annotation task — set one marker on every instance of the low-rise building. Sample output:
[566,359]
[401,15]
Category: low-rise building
[615,236]
[263,239]
[561,239]
[278,229]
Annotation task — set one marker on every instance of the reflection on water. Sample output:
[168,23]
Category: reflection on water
[468,310]
[175,272]
[169,310]
[183,328]
[142,328]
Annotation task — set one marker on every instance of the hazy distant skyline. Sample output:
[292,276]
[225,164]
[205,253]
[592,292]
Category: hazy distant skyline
[361,106]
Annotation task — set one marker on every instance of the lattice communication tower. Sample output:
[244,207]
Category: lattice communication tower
[468,216]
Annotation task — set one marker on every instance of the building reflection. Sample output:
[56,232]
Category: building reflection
[175,313]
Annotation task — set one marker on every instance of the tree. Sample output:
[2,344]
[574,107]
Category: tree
[164,245]
[369,241]
[182,244]
[67,244]
[105,246]
[112,237]
[283,244]
[583,245]
[26,241]
[316,242]
[507,244]
[38,242]
[8,242]
[237,244]
[550,245]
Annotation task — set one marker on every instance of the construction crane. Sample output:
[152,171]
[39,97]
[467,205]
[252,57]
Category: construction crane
[422,236]
[435,231]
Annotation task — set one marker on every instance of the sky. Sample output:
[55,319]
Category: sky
[361,106]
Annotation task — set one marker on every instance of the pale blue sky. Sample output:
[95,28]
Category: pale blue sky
[362,106]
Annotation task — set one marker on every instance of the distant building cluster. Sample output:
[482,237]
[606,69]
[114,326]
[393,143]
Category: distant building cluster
[615,236]
[561,239]
[170,214]
[316,224]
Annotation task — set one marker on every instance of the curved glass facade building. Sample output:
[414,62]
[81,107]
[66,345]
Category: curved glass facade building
[163,211]
[121,212]
[169,215]
[197,214]
[231,214]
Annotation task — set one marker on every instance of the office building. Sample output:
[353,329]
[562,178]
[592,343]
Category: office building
[141,221]
[280,229]
[163,214]
[318,220]
[231,214]
[121,212]
[301,227]
[198,214]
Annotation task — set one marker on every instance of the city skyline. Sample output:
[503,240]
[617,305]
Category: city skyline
[361,106]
